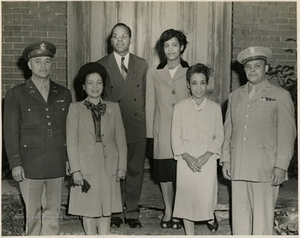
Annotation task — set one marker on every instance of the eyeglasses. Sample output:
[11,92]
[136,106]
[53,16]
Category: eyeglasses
[118,37]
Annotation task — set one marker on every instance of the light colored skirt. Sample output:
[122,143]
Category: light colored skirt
[104,196]
[196,193]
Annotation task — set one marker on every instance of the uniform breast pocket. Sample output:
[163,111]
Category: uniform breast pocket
[267,112]
[60,111]
[31,115]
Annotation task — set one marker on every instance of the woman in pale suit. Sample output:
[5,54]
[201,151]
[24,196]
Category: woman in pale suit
[197,137]
[97,150]
[166,85]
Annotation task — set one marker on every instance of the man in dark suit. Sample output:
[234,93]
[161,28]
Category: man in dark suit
[127,74]
[35,139]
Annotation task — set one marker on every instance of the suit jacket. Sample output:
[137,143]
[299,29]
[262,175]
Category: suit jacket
[81,145]
[162,93]
[259,133]
[34,131]
[129,93]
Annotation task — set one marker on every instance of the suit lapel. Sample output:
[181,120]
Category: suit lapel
[87,118]
[264,88]
[114,70]
[179,73]
[105,119]
[53,92]
[133,69]
[164,74]
[34,92]
[244,93]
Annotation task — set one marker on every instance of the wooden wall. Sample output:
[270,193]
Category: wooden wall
[206,24]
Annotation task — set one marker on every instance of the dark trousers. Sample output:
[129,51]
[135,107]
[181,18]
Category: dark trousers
[131,186]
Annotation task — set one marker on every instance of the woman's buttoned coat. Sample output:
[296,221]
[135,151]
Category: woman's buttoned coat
[81,145]
[162,93]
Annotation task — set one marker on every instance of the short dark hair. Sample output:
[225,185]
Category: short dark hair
[121,24]
[169,34]
[197,69]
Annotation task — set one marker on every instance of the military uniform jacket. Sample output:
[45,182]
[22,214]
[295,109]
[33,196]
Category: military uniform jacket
[162,93]
[35,131]
[259,133]
[129,93]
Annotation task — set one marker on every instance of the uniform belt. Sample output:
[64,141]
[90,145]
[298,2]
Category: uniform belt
[51,132]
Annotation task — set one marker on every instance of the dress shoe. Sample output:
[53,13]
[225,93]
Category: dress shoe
[133,222]
[213,227]
[115,222]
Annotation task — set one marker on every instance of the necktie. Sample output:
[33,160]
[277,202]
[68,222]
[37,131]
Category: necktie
[123,68]
[44,92]
[251,94]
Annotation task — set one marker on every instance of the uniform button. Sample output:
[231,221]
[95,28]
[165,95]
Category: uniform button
[248,106]
[173,91]
[247,116]
[135,114]
[244,138]
[29,109]
[245,127]
[48,116]
[25,145]
[135,99]
[63,109]
[49,123]
[137,85]
[47,109]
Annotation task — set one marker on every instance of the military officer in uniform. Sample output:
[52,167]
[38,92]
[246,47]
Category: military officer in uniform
[259,143]
[35,139]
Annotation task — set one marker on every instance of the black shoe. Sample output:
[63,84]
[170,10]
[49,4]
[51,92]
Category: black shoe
[213,227]
[133,222]
[115,222]
[176,224]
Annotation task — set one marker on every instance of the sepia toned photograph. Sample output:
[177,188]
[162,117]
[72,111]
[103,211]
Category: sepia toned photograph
[149,118]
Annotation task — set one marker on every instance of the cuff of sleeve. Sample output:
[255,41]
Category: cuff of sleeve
[225,157]
[123,169]
[214,149]
[282,163]
[15,161]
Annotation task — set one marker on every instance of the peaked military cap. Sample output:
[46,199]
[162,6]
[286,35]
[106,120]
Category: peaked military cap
[254,53]
[39,48]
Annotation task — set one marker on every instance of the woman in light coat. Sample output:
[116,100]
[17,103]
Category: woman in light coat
[197,137]
[166,85]
[97,153]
